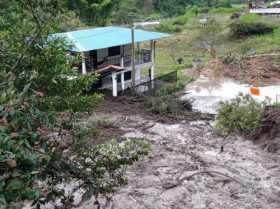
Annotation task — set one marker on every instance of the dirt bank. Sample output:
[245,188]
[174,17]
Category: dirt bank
[191,168]
[127,106]
[258,70]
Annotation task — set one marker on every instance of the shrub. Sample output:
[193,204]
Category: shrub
[176,24]
[171,88]
[250,25]
[168,26]
[249,18]
[225,10]
[167,105]
[240,115]
[276,35]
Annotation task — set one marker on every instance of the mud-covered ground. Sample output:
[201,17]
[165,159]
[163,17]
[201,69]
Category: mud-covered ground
[190,167]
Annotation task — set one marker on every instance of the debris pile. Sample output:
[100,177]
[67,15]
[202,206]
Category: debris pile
[269,131]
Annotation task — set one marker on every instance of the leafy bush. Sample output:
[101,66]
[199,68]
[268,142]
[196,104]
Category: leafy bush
[250,25]
[240,115]
[168,26]
[37,147]
[176,24]
[276,35]
[225,10]
[250,18]
[171,88]
[167,105]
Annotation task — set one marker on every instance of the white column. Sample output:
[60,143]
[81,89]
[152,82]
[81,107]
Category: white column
[122,80]
[114,84]
[122,61]
[84,68]
[152,72]
[153,62]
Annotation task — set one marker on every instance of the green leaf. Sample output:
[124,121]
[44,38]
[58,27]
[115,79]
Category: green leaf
[15,184]
[32,194]
[87,195]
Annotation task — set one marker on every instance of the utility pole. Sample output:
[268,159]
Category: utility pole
[133,56]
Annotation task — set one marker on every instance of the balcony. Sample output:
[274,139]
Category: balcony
[142,57]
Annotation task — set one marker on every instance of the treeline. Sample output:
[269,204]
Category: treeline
[102,12]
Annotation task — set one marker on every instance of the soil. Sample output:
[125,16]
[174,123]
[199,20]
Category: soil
[258,70]
[190,167]
[128,106]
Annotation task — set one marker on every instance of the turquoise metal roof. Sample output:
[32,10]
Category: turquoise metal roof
[104,37]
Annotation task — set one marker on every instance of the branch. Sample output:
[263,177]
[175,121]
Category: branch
[180,181]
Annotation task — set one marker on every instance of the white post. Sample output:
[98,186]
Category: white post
[133,56]
[122,62]
[115,84]
[84,67]
[122,56]
[122,80]
[153,62]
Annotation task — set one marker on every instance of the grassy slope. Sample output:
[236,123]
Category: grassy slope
[179,45]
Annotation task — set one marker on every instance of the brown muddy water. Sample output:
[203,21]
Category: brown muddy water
[207,94]
[190,167]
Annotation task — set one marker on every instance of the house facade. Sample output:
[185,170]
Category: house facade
[108,52]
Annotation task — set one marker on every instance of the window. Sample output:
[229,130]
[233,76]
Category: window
[119,78]
[127,75]
[113,51]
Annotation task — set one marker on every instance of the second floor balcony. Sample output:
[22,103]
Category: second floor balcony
[141,57]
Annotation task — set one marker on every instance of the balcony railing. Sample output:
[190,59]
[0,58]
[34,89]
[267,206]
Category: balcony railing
[144,56]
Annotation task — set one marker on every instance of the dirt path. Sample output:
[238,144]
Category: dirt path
[187,169]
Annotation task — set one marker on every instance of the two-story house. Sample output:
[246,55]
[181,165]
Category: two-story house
[107,51]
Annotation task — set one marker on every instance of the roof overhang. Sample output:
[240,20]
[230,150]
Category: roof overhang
[105,37]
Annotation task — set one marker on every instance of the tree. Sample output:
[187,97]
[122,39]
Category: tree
[36,83]
[209,37]
[93,12]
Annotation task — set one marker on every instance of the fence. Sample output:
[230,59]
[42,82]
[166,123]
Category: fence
[155,87]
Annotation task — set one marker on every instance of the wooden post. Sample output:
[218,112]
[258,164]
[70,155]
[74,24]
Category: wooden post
[84,67]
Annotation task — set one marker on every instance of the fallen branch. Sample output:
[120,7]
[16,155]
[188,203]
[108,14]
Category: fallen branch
[180,181]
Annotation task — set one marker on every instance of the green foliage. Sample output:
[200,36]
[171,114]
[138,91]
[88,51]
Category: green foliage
[209,37]
[167,105]
[171,88]
[250,18]
[42,61]
[176,24]
[93,12]
[250,24]
[276,35]
[168,26]
[240,115]
[225,10]
[38,152]
[102,167]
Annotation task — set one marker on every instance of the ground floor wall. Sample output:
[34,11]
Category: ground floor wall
[123,79]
